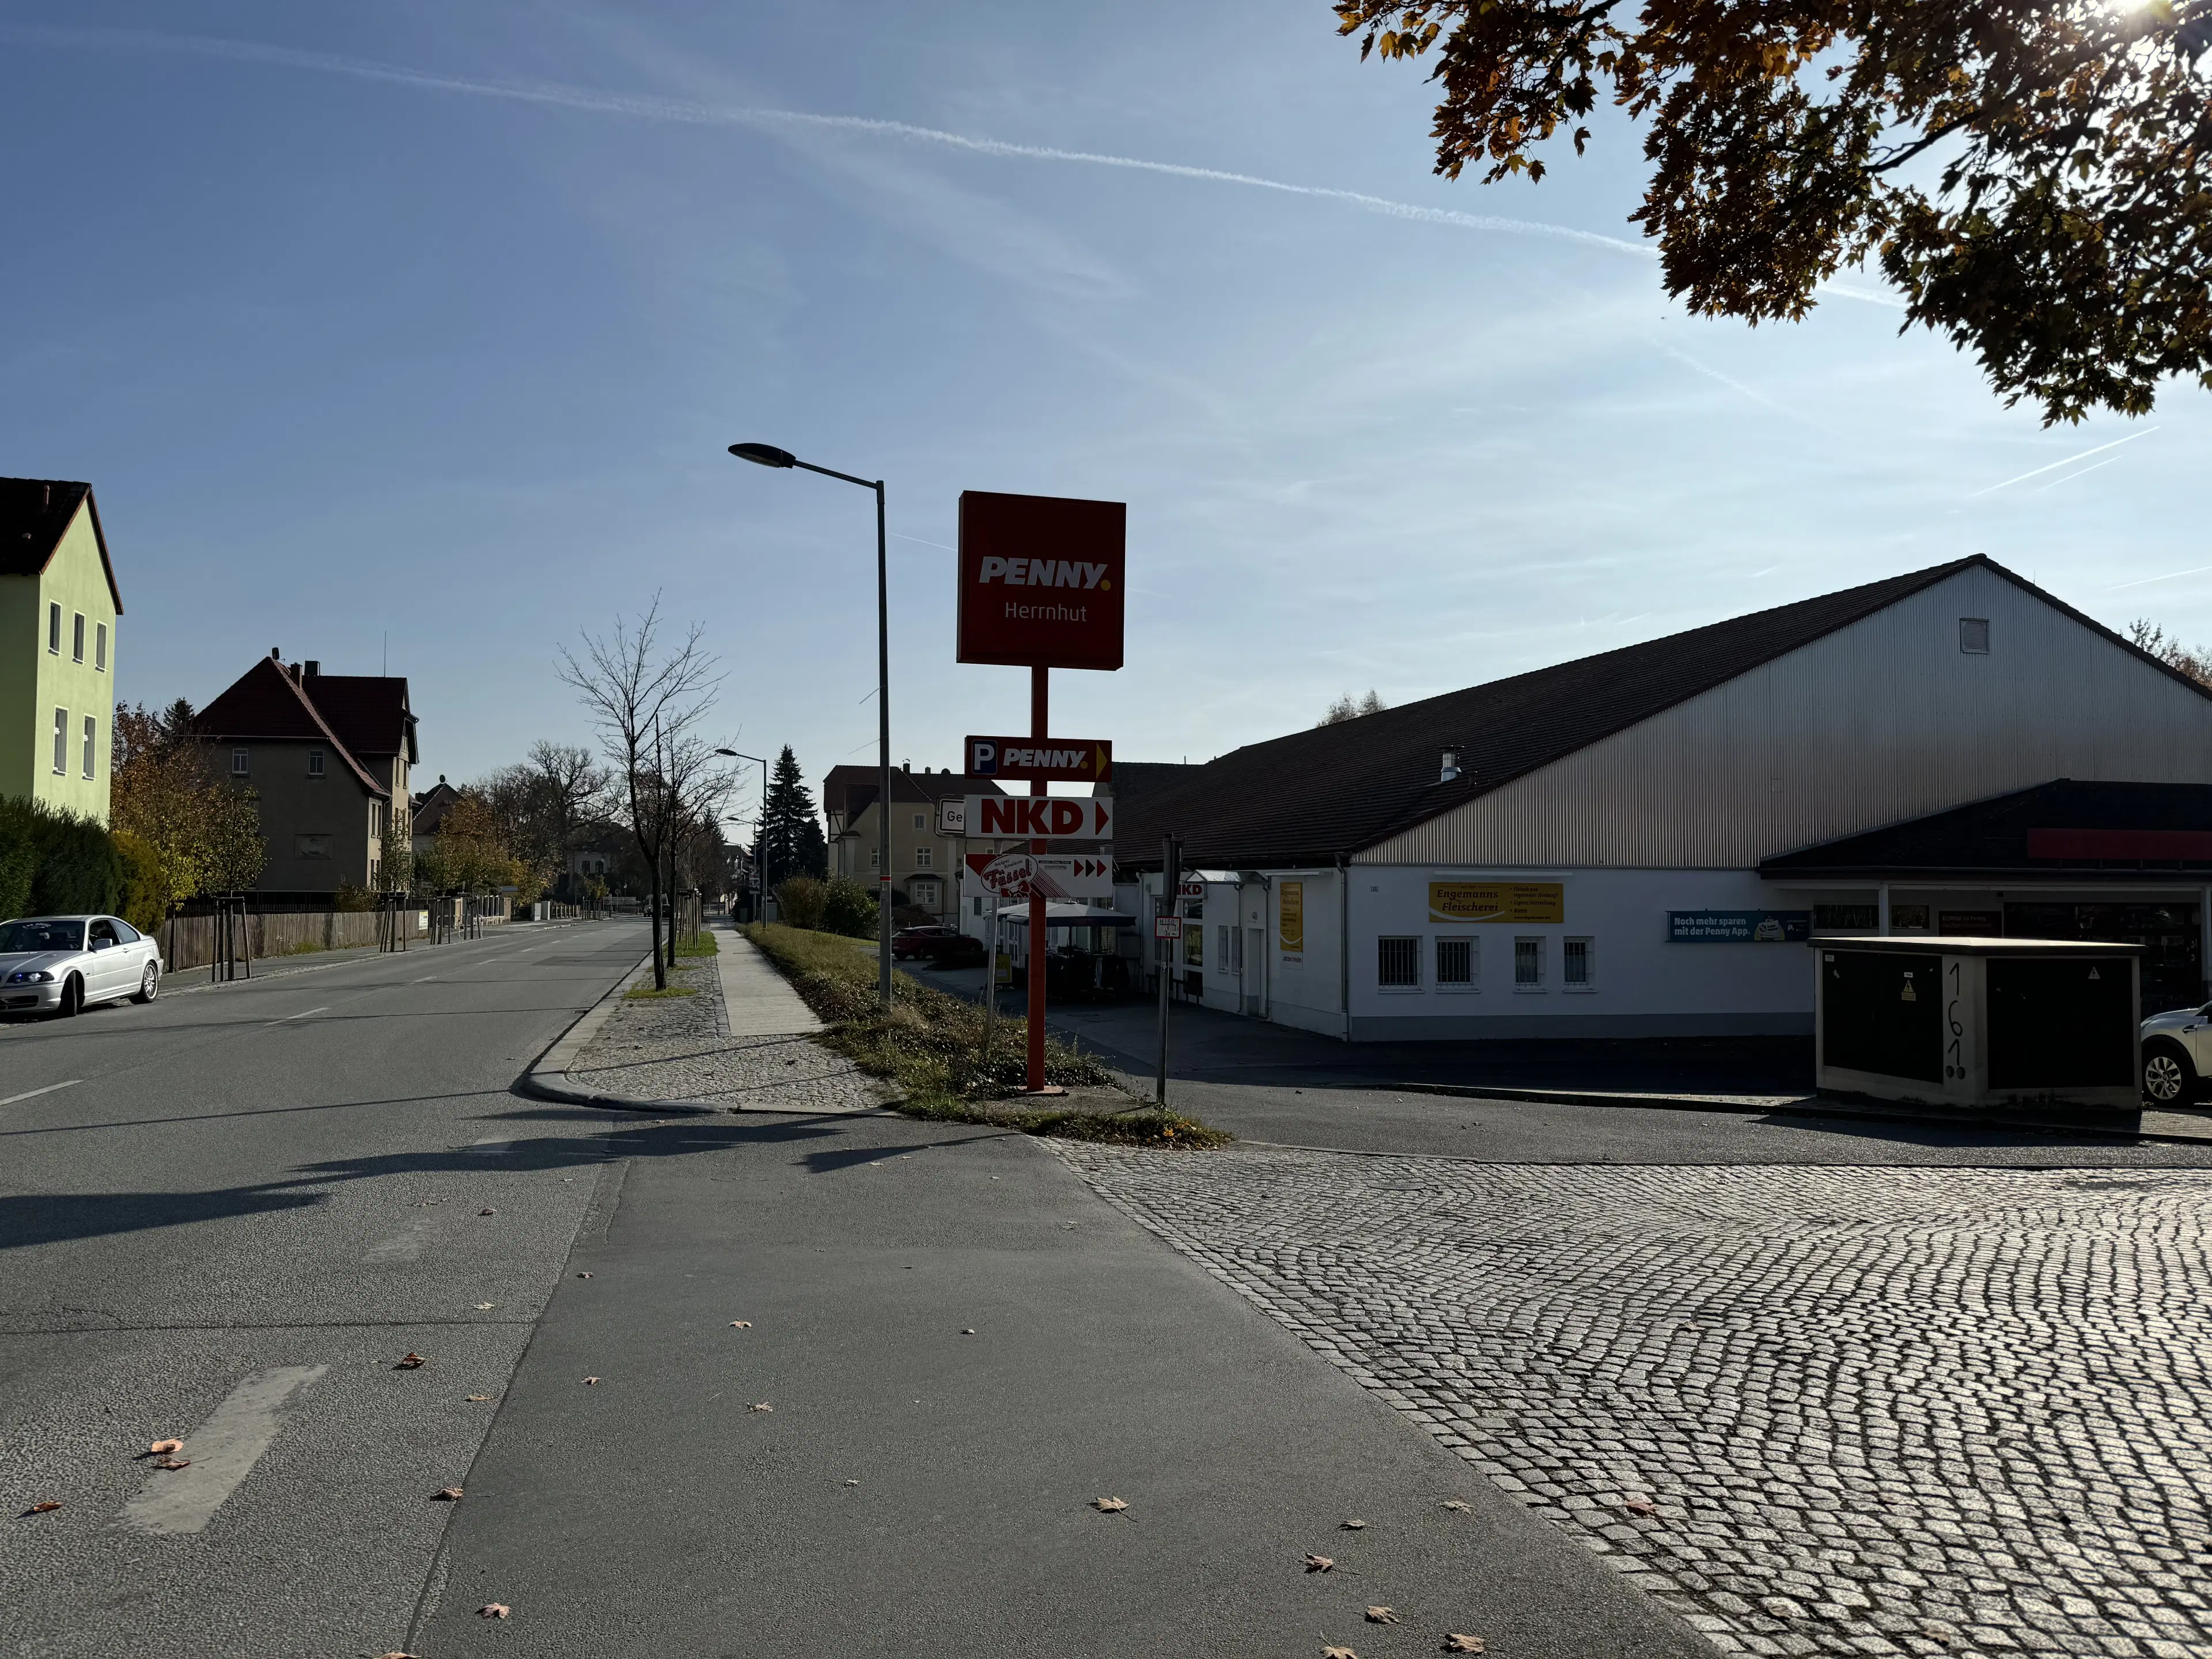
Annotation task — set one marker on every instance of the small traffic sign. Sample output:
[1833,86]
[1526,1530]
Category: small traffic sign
[1166,927]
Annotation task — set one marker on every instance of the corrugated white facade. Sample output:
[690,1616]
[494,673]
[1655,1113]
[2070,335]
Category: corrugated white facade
[1881,721]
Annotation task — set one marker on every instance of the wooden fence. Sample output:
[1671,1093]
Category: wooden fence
[190,941]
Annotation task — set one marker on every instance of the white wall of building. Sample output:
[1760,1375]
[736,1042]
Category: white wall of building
[1642,985]
[1884,721]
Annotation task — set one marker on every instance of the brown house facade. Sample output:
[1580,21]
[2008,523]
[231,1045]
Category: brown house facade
[328,754]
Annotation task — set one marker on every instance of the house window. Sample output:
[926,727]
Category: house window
[921,858]
[314,762]
[54,628]
[1455,964]
[1398,964]
[1578,964]
[239,766]
[61,742]
[76,637]
[91,733]
[1236,950]
[1221,949]
[1909,915]
[875,858]
[99,647]
[921,821]
[978,907]
[1528,964]
[1974,635]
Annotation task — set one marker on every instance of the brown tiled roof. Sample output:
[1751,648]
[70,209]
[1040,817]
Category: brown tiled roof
[1317,795]
[431,806]
[34,514]
[266,703]
[848,791]
[368,711]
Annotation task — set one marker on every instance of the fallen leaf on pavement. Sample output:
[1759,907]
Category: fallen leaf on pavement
[968,1330]
[1456,1503]
[478,1399]
[1641,1506]
[741,1324]
[172,1462]
[410,1362]
[1319,1563]
[1455,1643]
[1109,1505]
[494,1610]
[583,1275]
[852,1483]
[163,1448]
[589,1381]
[396,1655]
[481,1306]
[490,1212]
[763,1407]
[446,1495]
[1382,1615]
[1352,1526]
[41,1509]
[1338,1653]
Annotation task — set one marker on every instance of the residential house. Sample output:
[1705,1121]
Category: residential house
[328,757]
[924,864]
[58,607]
[429,810]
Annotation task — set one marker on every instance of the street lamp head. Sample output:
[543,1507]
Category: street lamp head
[732,753]
[763,454]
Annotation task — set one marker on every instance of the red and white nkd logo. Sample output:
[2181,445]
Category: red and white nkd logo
[1047,572]
[1045,818]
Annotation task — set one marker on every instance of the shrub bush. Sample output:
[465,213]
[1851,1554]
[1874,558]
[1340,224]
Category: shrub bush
[145,882]
[851,908]
[74,864]
[800,901]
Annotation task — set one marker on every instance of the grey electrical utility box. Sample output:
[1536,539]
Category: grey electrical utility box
[1978,1022]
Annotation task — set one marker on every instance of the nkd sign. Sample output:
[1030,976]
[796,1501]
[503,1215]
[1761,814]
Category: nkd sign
[1040,817]
[1041,580]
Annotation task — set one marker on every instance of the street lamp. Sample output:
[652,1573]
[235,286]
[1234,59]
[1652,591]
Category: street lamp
[770,455]
[760,849]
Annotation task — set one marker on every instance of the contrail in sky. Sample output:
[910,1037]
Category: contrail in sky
[559,96]
[2069,461]
[2196,571]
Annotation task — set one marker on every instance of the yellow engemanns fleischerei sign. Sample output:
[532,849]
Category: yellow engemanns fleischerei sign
[1532,903]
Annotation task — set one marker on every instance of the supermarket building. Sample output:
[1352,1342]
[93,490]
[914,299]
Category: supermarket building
[1640,843]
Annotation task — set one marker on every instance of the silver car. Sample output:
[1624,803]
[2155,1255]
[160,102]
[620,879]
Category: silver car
[2176,1050]
[60,964]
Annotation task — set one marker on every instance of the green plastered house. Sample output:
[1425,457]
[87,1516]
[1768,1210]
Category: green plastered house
[59,606]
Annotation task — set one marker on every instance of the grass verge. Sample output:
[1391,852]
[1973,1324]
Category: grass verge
[646,994]
[701,944]
[931,1045]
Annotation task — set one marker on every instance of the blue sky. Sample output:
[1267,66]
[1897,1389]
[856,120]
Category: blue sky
[433,322]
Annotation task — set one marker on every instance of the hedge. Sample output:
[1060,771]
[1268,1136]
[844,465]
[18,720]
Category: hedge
[54,864]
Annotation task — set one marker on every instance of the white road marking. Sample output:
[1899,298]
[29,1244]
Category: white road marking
[222,1451]
[302,1014]
[33,1094]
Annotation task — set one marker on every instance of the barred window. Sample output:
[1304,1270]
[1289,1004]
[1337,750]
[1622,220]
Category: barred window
[1455,962]
[1578,960]
[1398,962]
[1527,962]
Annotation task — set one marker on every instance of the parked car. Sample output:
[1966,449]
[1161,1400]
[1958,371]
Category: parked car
[940,946]
[61,965]
[2176,1052]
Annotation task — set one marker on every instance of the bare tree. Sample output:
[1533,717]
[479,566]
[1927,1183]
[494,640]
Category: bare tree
[642,698]
[691,781]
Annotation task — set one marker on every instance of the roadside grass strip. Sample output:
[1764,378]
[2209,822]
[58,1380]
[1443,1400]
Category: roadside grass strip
[931,1045]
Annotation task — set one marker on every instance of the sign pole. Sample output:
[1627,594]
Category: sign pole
[1039,733]
[1164,950]
[991,983]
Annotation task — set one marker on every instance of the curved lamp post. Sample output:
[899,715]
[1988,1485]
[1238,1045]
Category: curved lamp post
[760,853]
[770,455]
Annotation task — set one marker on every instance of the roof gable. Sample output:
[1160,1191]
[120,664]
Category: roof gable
[1317,795]
[368,711]
[266,702]
[35,515]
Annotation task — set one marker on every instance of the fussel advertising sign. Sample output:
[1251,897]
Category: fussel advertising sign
[1041,580]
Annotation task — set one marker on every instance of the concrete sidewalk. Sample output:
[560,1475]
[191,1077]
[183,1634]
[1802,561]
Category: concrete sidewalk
[756,1000]
[952,1348]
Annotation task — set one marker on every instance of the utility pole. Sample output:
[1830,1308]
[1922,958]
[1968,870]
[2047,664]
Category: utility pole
[1163,949]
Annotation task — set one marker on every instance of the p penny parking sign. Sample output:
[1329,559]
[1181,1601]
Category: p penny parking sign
[1041,580]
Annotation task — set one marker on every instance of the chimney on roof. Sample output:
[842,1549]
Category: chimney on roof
[1450,767]
[312,667]
[274,655]
[47,504]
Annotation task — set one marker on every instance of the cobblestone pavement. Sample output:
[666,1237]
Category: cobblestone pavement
[680,1049]
[1814,1409]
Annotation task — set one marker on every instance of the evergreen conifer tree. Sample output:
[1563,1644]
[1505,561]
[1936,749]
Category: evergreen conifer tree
[793,843]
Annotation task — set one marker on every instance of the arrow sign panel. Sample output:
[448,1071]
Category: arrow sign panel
[1049,817]
[1016,877]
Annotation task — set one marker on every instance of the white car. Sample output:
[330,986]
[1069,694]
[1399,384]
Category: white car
[2176,1050]
[60,964]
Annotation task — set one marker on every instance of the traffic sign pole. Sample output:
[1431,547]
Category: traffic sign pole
[1164,950]
[1039,731]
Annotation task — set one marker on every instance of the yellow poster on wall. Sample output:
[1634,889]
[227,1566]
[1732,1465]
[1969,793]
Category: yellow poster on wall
[1291,925]
[1529,904]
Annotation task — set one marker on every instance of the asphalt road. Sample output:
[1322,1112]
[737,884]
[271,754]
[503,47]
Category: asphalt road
[242,1208]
